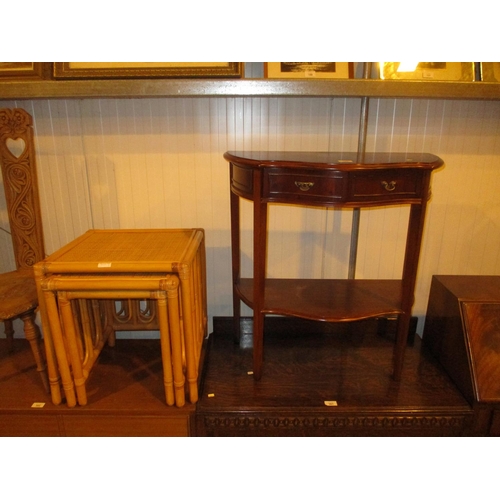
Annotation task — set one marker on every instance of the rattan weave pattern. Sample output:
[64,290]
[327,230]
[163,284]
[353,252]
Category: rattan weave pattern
[110,248]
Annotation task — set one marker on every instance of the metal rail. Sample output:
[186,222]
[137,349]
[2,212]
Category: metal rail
[363,127]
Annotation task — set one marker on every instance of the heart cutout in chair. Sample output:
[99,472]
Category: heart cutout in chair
[16,146]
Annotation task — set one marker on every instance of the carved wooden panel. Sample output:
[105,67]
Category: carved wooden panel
[17,159]
[423,423]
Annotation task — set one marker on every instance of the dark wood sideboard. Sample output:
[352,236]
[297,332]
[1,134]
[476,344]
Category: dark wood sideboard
[462,331]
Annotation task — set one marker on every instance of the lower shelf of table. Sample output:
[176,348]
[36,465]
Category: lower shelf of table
[328,299]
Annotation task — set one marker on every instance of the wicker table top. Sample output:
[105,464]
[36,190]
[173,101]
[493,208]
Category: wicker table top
[134,250]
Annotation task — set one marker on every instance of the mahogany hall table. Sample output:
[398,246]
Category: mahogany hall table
[327,179]
[165,266]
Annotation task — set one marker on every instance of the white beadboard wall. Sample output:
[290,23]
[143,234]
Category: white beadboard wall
[147,163]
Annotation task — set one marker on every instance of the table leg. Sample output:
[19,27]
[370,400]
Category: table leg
[52,370]
[165,341]
[72,346]
[174,323]
[58,344]
[400,346]
[50,356]
[185,276]
[259,273]
[236,264]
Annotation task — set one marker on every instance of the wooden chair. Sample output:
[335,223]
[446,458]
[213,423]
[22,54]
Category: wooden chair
[18,294]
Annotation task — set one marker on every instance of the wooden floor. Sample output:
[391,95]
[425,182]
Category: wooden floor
[346,366]
[125,397]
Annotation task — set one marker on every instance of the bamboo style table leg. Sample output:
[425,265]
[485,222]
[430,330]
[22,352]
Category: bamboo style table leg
[72,346]
[200,299]
[58,344]
[185,275]
[174,325]
[168,379]
[50,354]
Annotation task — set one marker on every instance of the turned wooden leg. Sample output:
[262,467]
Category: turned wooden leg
[9,333]
[34,337]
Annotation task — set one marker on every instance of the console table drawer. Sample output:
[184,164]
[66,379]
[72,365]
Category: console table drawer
[304,185]
[384,185]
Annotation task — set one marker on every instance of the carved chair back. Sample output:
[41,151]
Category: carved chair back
[17,159]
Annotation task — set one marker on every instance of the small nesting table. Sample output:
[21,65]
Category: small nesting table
[111,280]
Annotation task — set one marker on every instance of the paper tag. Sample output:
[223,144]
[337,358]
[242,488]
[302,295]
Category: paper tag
[330,403]
[37,405]
[104,264]
[211,395]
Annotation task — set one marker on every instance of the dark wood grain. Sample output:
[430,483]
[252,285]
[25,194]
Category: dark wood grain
[482,321]
[349,363]
[327,300]
[462,330]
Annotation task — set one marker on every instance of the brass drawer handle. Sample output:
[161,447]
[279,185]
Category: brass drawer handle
[304,186]
[389,186]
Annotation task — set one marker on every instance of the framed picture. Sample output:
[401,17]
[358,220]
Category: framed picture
[287,70]
[490,71]
[22,70]
[90,70]
[435,71]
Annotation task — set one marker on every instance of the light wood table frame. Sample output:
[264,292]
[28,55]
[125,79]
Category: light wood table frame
[80,325]
[166,267]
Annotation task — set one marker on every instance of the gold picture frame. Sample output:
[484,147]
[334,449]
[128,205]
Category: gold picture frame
[22,70]
[106,70]
[490,71]
[427,71]
[309,70]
